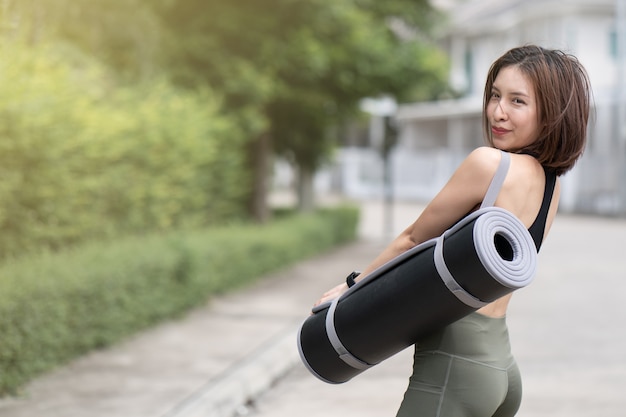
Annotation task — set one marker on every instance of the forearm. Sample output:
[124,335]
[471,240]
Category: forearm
[397,247]
[400,245]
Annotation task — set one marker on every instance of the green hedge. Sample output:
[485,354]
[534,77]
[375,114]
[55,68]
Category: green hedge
[83,158]
[56,307]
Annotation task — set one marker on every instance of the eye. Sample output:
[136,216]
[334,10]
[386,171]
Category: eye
[495,95]
[518,101]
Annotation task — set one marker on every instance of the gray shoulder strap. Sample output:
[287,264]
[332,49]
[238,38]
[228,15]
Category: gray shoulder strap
[497,181]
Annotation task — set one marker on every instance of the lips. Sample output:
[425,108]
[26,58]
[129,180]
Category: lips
[498,131]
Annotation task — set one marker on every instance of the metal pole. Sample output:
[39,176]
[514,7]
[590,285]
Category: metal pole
[382,138]
[389,141]
[621,99]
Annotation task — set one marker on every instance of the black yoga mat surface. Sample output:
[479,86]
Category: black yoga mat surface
[482,258]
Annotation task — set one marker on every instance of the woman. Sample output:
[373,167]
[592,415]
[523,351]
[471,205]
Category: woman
[536,107]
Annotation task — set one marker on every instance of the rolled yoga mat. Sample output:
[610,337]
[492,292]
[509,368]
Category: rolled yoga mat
[488,254]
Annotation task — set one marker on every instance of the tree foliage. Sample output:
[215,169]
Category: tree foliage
[286,71]
[82,160]
[304,64]
[124,34]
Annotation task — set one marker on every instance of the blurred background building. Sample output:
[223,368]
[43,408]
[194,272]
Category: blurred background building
[433,137]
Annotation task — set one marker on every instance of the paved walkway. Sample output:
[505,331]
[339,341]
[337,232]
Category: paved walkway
[567,331]
[237,355]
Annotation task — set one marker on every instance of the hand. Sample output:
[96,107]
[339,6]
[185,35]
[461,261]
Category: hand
[332,294]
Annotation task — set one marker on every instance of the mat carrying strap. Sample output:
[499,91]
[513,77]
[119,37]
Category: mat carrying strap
[333,337]
[440,264]
[497,180]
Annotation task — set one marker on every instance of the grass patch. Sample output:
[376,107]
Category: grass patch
[56,307]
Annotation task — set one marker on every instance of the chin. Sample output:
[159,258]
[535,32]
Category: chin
[501,145]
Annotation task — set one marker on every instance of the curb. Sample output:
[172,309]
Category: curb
[227,394]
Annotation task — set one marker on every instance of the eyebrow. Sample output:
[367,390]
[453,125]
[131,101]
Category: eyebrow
[513,93]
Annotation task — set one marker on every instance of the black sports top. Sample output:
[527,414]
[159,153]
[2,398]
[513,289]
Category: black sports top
[537,229]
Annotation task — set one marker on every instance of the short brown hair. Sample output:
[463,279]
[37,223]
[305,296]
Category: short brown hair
[563,93]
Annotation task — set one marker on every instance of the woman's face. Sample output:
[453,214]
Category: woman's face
[512,111]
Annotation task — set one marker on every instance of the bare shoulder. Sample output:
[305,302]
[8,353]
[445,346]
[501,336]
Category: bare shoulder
[462,193]
[523,190]
[484,158]
[472,178]
[480,165]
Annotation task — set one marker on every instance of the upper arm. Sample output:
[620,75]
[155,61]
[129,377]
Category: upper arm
[461,194]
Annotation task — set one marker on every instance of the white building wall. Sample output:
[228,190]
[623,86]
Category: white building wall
[582,28]
[435,137]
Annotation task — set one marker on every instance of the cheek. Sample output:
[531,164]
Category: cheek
[532,133]
[489,110]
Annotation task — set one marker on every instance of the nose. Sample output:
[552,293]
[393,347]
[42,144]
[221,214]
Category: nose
[498,112]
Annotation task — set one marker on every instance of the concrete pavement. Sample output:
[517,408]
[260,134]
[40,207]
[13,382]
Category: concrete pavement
[568,331]
[237,355]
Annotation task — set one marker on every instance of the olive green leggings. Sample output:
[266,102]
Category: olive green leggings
[464,370]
